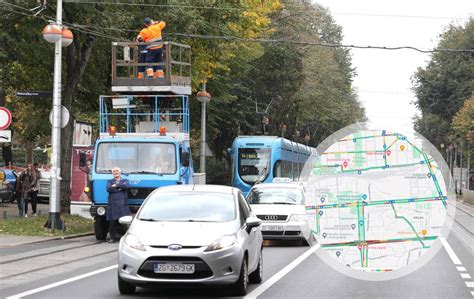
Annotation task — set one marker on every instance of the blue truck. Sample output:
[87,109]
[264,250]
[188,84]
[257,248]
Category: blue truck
[147,136]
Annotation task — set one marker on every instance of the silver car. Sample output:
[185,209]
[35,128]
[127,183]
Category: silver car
[191,234]
[281,207]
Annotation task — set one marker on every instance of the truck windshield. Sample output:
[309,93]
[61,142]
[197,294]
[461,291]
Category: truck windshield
[144,158]
[253,164]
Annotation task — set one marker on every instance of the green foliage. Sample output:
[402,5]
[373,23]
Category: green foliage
[462,128]
[34,226]
[446,83]
[310,86]
[19,157]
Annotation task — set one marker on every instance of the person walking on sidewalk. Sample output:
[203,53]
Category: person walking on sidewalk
[118,202]
[24,187]
[34,188]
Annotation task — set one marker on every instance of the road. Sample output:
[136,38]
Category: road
[84,268]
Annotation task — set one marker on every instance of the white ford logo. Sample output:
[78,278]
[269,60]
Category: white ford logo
[174,247]
[134,192]
[271,217]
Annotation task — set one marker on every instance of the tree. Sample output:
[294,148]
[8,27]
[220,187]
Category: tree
[445,83]
[462,128]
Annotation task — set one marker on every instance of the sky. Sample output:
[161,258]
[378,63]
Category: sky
[383,78]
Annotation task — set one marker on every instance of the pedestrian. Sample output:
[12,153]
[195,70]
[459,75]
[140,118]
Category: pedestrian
[152,34]
[117,202]
[35,184]
[24,188]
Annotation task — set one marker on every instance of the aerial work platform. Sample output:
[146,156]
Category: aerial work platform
[176,66]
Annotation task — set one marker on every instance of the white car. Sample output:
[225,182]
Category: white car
[191,234]
[281,207]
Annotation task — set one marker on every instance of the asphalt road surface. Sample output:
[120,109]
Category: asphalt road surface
[84,268]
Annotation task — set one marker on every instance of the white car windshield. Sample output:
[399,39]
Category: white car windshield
[189,207]
[278,195]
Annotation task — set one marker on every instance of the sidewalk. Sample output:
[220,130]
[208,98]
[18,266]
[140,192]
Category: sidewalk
[10,210]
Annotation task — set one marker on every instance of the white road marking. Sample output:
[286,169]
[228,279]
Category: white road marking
[59,283]
[262,288]
[472,293]
[461,269]
[470,284]
[450,251]
[465,275]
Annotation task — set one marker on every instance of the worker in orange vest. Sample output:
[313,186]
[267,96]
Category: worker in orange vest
[152,34]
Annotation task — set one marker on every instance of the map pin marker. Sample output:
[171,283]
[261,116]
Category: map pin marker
[389,152]
[423,231]
[322,199]
[345,164]
[338,253]
[353,226]
[360,246]
[320,213]
[324,235]
[429,175]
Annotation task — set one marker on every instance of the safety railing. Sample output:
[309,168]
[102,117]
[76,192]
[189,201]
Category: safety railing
[144,113]
[126,65]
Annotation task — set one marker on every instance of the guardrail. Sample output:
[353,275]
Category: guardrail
[176,65]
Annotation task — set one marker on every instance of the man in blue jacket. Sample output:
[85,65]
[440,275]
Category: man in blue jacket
[118,202]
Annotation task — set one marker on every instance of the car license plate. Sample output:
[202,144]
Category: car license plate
[173,268]
[272,228]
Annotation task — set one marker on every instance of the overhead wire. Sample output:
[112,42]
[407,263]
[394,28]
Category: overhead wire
[86,29]
[46,18]
[181,6]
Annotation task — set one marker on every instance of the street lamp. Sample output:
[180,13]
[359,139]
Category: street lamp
[204,97]
[61,37]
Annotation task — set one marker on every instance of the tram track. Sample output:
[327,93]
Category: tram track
[24,256]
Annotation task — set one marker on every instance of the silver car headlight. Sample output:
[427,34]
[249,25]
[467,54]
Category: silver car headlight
[222,243]
[132,241]
[298,217]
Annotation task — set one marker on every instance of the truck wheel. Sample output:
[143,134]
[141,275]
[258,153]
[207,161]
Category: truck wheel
[100,228]
[125,288]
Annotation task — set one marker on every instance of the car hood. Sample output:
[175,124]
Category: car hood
[270,209]
[183,233]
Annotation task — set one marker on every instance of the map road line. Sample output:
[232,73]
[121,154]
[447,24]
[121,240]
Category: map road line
[450,251]
[60,283]
[267,284]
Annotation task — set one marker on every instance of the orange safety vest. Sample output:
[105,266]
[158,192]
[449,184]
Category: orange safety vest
[153,34]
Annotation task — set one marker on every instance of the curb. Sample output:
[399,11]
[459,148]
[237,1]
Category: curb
[49,239]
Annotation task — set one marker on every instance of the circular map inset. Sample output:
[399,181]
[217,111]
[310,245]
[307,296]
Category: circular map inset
[377,202]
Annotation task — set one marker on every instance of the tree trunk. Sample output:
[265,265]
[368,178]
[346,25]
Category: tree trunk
[76,61]
[29,151]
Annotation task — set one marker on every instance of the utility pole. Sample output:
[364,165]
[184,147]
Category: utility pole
[54,221]
[204,97]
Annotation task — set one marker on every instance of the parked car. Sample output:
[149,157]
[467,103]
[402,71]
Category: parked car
[44,185]
[281,207]
[8,181]
[191,234]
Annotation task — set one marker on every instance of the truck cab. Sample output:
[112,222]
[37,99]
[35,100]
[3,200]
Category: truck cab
[147,136]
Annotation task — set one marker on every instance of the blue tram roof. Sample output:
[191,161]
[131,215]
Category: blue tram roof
[269,141]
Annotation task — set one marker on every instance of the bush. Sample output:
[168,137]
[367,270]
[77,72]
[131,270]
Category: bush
[19,157]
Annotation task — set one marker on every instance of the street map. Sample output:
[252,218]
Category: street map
[378,201]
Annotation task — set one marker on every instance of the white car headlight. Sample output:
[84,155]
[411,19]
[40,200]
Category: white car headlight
[132,241]
[222,243]
[298,217]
